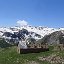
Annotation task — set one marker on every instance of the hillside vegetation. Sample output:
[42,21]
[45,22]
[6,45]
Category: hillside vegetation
[10,55]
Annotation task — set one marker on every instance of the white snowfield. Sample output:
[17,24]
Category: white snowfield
[39,30]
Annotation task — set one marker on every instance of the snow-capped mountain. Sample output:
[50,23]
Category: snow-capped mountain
[17,33]
[38,30]
[25,32]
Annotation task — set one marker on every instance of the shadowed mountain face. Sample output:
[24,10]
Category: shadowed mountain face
[21,34]
[8,34]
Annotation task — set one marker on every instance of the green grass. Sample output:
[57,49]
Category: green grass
[9,55]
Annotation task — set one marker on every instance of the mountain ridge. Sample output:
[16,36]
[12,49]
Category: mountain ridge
[20,32]
[39,30]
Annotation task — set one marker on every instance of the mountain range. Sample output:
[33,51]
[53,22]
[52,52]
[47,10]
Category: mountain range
[20,32]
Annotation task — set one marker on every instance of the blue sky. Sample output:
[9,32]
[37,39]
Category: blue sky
[48,13]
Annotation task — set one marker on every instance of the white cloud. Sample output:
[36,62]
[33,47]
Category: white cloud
[22,22]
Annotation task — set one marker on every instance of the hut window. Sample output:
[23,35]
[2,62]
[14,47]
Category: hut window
[35,46]
[63,45]
[28,46]
[39,45]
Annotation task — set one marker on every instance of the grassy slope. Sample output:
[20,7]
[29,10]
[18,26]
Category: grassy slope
[10,56]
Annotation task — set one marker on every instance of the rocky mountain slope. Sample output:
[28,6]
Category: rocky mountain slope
[53,38]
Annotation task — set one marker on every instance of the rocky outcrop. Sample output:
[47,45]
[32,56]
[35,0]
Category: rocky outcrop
[54,38]
[53,59]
